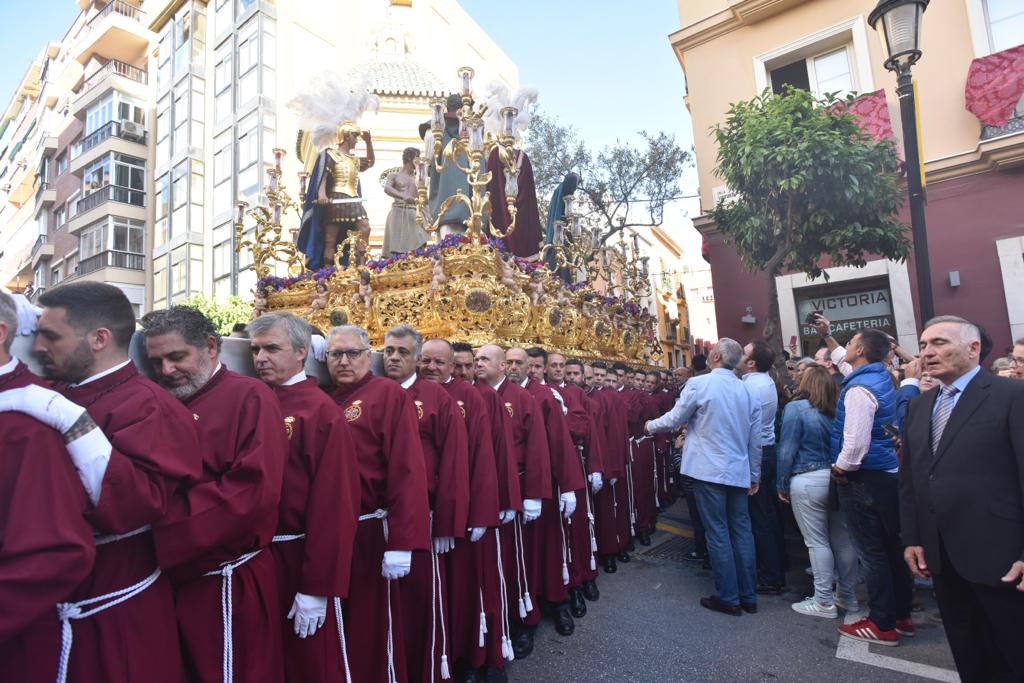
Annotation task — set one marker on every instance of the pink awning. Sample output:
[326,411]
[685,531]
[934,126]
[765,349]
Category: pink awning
[994,86]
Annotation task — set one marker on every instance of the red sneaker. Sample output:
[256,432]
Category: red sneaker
[866,631]
[905,627]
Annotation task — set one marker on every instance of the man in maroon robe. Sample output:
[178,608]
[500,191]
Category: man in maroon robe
[519,540]
[478,630]
[46,546]
[394,514]
[83,338]
[565,376]
[319,506]
[443,439]
[567,481]
[641,471]
[214,538]
[464,365]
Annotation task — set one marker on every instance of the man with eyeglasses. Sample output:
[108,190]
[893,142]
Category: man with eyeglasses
[1017,359]
[394,517]
[443,439]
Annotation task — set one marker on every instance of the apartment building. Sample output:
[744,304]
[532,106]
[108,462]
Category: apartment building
[130,140]
[730,50]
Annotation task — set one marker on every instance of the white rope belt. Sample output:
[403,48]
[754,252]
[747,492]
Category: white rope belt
[590,512]
[525,603]
[506,643]
[66,611]
[566,556]
[615,512]
[226,574]
[629,490]
[284,538]
[382,514]
[110,538]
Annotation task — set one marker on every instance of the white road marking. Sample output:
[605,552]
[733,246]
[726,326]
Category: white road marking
[859,651]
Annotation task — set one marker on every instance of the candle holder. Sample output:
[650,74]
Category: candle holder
[266,242]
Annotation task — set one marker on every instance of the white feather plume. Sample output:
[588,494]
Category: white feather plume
[497,95]
[328,101]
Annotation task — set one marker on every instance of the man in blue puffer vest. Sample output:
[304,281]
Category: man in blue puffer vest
[867,474]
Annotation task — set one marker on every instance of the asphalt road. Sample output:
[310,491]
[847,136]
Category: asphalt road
[648,626]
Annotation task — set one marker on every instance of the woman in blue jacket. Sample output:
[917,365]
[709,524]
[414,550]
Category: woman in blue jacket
[804,459]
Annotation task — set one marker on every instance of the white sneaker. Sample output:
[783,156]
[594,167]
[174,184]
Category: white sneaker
[812,607]
[852,608]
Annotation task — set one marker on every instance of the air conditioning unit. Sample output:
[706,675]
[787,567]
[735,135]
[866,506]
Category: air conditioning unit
[131,130]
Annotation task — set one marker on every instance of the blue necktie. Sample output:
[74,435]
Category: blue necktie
[942,412]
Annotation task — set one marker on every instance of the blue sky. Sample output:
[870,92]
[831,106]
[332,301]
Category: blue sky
[25,28]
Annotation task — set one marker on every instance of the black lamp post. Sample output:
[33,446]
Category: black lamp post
[899,23]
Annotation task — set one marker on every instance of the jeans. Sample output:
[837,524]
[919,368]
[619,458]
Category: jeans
[825,535]
[700,542]
[730,541]
[767,524]
[869,502]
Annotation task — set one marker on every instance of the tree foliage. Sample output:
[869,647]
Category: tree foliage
[807,183]
[622,186]
[223,315]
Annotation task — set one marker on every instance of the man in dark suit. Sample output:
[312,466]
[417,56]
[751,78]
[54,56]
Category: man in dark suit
[962,500]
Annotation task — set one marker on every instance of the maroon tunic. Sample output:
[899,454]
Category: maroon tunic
[384,428]
[442,431]
[46,547]
[613,502]
[510,496]
[642,460]
[567,473]
[586,414]
[526,239]
[230,512]
[155,454]
[319,498]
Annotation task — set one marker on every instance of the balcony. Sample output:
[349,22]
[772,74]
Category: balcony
[42,250]
[111,259]
[49,144]
[117,74]
[1014,125]
[46,196]
[125,137]
[106,201]
[117,31]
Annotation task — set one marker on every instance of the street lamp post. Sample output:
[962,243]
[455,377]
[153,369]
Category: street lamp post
[899,23]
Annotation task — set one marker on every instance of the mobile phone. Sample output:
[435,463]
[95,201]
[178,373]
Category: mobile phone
[812,317]
[891,430]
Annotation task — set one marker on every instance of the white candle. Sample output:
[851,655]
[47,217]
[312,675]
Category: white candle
[511,185]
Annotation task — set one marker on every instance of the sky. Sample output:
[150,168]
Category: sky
[24,30]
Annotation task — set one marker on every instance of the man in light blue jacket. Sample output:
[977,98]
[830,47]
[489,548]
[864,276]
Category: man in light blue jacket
[722,453]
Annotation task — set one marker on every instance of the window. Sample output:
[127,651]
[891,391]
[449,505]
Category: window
[222,80]
[247,61]
[248,154]
[62,164]
[1005,19]
[55,276]
[826,72]
[162,194]
[59,217]
[179,199]
[99,114]
[128,110]
[198,185]
[159,287]
[129,172]
[222,18]
[181,117]
[223,198]
[163,131]
[91,240]
[182,31]
[96,175]
[39,278]
[163,73]
[243,5]
[179,262]
[128,235]
[222,251]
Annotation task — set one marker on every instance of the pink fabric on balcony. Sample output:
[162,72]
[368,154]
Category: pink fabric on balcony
[872,113]
[994,86]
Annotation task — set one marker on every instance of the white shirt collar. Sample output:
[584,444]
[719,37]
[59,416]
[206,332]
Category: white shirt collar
[449,380]
[301,376]
[8,368]
[526,380]
[500,382]
[409,381]
[100,375]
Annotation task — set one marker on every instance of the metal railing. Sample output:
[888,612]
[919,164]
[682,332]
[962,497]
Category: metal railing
[1014,125]
[125,9]
[40,241]
[112,259]
[108,130]
[112,193]
[116,67]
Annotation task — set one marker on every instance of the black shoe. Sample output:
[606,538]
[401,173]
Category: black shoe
[577,605]
[610,567]
[522,644]
[492,675]
[644,538]
[749,607]
[694,556]
[714,604]
[765,589]
[564,623]
[590,591]
[630,547]
[623,556]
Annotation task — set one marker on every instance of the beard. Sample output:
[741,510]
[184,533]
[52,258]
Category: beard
[193,382]
[76,368]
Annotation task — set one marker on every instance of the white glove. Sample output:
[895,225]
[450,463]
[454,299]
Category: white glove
[309,612]
[567,504]
[507,516]
[396,564]
[318,347]
[613,481]
[596,481]
[47,406]
[476,533]
[531,510]
[90,454]
[28,314]
[443,544]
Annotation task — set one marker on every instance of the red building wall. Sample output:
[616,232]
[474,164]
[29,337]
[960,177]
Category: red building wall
[965,216]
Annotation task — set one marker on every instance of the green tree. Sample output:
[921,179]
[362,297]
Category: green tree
[806,183]
[621,187]
[224,315]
